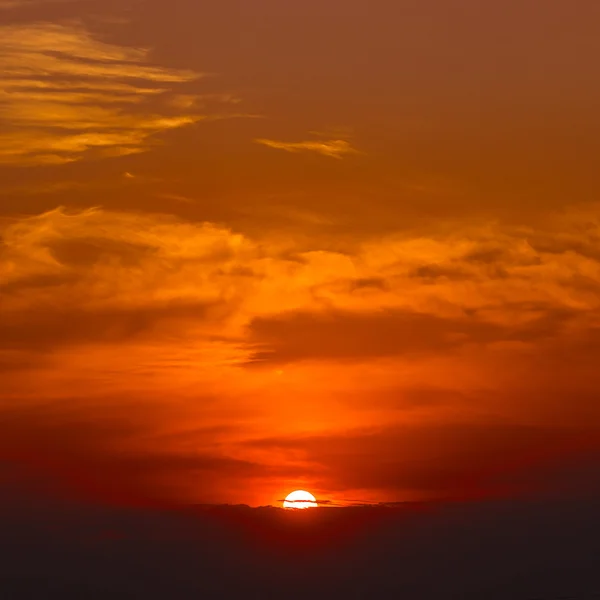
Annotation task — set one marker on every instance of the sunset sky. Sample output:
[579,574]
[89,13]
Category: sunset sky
[250,246]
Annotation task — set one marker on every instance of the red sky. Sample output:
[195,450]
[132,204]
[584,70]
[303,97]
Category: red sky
[352,247]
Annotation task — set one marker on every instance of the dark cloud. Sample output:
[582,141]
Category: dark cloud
[377,283]
[583,242]
[97,452]
[433,273]
[87,252]
[354,336]
[487,255]
[406,398]
[107,452]
[12,361]
[54,327]
[35,282]
[483,263]
[447,460]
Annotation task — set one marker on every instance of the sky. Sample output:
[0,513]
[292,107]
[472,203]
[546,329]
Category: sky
[253,246]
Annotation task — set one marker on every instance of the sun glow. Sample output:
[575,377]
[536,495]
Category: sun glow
[300,499]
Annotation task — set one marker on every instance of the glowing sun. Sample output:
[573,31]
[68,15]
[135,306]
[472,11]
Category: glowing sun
[300,499]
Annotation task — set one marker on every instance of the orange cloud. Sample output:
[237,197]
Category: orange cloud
[485,285]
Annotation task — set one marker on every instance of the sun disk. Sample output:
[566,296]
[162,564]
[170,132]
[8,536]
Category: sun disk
[300,499]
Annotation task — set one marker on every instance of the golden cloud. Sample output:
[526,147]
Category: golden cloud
[65,93]
[12,4]
[331,148]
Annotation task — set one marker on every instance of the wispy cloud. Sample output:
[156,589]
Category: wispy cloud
[332,148]
[12,4]
[65,94]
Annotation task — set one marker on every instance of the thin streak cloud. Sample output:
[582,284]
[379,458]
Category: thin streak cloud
[332,148]
[14,4]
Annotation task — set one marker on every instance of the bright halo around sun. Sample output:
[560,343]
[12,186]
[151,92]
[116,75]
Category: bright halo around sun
[300,499]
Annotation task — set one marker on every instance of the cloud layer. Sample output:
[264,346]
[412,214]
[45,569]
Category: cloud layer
[461,330]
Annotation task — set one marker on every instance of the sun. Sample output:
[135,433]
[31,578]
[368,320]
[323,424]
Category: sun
[300,499]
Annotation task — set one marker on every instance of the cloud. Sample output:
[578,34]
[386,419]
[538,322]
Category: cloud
[453,459]
[393,296]
[65,95]
[332,148]
[118,448]
[336,336]
[12,4]
[359,336]
[59,327]
[100,244]
[101,304]
[85,452]
[94,278]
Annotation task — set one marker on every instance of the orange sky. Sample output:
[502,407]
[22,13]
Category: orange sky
[352,247]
